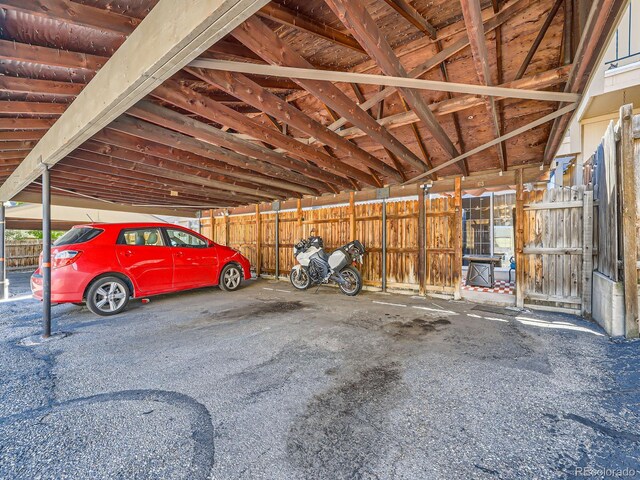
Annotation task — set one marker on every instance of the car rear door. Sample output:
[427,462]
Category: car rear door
[143,255]
[195,261]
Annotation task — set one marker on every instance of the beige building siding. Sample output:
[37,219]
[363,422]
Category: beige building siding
[616,83]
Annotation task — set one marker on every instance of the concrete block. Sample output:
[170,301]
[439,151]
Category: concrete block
[608,304]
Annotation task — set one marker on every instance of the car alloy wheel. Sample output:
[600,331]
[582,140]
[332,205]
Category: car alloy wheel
[231,277]
[108,296]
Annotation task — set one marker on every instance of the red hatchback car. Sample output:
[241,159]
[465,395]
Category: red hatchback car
[105,265]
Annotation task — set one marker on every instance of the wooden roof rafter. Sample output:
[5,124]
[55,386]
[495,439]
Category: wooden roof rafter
[257,36]
[203,106]
[472,13]
[250,92]
[414,18]
[362,26]
[280,14]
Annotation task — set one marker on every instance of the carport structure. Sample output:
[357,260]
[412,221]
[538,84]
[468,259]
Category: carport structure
[142,105]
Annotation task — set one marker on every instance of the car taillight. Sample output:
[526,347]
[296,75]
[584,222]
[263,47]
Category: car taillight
[64,258]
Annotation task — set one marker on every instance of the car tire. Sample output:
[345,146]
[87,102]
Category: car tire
[230,277]
[108,296]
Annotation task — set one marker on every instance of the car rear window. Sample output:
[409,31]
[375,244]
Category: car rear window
[78,235]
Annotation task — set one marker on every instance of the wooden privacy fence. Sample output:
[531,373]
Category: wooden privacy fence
[398,248]
[410,249]
[557,256]
[23,254]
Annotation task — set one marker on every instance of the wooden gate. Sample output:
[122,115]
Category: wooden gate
[443,244]
[557,257]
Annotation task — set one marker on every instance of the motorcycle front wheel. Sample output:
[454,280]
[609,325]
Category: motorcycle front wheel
[300,279]
[353,280]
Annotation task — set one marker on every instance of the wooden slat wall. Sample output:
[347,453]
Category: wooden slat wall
[23,254]
[402,244]
[242,235]
[268,243]
[606,195]
[553,248]
[369,232]
[440,244]
[289,236]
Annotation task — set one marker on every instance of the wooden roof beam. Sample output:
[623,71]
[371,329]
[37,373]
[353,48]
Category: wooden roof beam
[123,158]
[75,14]
[412,16]
[122,169]
[296,20]
[48,87]
[250,92]
[508,11]
[538,40]
[32,194]
[536,123]
[32,108]
[22,135]
[22,52]
[210,165]
[26,123]
[394,159]
[17,145]
[445,107]
[302,75]
[362,26]
[472,12]
[149,55]
[201,105]
[265,159]
[261,39]
[143,129]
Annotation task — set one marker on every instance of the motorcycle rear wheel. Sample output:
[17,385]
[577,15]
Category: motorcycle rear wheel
[301,282]
[354,280]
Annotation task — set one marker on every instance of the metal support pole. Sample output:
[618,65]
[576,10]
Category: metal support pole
[384,245]
[491,220]
[4,282]
[276,208]
[46,253]
[277,244]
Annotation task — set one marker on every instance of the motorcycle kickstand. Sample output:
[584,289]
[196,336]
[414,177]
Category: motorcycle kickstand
[318,288]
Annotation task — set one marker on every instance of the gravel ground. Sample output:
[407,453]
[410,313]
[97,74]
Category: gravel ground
[270,383]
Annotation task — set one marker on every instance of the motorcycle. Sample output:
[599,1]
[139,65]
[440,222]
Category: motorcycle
[316,267]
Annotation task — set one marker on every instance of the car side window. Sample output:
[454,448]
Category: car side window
[180,238]
[141,237]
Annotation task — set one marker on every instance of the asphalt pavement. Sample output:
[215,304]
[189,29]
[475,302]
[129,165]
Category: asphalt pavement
[272,383]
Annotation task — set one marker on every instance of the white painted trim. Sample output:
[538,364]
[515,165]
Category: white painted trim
[366,78]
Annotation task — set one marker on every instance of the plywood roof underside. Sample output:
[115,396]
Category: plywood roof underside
[49,50]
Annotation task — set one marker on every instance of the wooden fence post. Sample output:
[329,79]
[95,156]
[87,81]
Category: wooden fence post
[587,252]
[226,227]
[629,222]
[300,226]
[277,241]
[352,216]
[258,241]
[383,262]
[422,254]
[457,240]
[519,240]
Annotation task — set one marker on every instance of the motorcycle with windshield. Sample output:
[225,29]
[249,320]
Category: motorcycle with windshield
[316,267]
